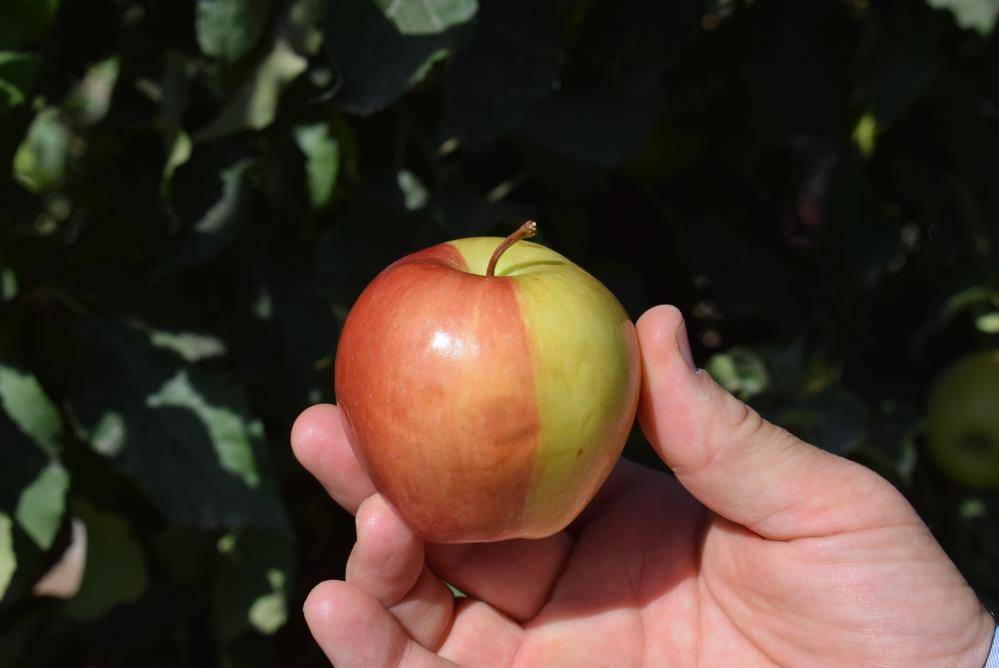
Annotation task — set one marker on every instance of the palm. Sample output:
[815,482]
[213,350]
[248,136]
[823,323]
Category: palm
[656,579]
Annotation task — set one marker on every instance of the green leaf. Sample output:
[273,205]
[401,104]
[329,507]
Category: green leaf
[183,434]
[90,100]
[740,371]
[254,106]
[8,284]
[214,195]
[378,63]
[229,434]
[189,346]
[8,560]
[979,15]
[415,194]
[322,161]
[41,159]
[17,77]
[457,593]
[865,134]
[42,504]
[228,29]
[427,17]
[115,572]
[975,297]
[220,215]
[25,21]
[24,400]
[988,323]
[254,575]
[32,482]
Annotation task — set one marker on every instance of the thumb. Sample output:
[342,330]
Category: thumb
[738,464]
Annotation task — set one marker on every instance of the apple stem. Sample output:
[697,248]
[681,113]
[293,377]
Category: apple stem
[525,231]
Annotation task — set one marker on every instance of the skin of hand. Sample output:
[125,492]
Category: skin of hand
[762,550]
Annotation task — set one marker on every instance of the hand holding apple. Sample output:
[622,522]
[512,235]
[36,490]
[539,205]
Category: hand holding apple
[489,386]
[755,529]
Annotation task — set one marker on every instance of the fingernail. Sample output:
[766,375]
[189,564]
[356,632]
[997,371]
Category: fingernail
[684,345]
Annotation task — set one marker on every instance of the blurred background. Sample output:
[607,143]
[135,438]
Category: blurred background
[193,192]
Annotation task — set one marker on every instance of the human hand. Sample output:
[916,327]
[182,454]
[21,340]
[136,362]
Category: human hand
[763,550]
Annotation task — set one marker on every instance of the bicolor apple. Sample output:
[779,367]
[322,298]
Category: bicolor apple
[488,387]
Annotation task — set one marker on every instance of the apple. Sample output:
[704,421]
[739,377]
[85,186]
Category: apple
[963,426]
[488,386]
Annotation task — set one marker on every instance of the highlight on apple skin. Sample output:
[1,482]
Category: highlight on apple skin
[487,407]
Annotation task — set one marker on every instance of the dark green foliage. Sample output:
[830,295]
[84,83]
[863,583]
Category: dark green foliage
[192,194]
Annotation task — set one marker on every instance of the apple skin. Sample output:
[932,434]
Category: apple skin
[963,425]
[487,407]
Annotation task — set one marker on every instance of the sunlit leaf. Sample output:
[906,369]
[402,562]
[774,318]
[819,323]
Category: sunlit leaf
[253,584]
[988,323]
[155,419]
[865,133]
[42,503]
[8,560]
[41,159]
[229,434]
[254,105]
[90,100]
[427,17]
[976,297]
[414,193]
[33,483]
[24,400]
[8,284]
[228,29]
[978,15]
[214,196]
[376,62]
[221,214]
[740,371]
[180,152]
[189,346]
[322,161]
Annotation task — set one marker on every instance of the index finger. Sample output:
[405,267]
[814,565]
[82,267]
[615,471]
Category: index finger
[515,576]
[321,446]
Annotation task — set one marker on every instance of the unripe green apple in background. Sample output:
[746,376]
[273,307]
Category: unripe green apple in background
[963,430]
[487,406]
